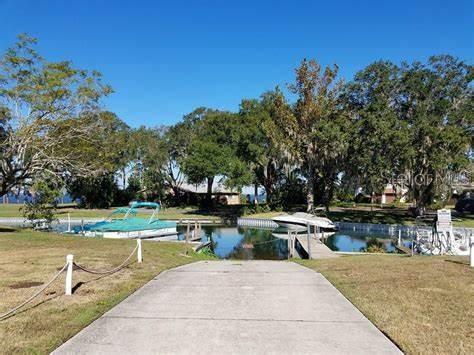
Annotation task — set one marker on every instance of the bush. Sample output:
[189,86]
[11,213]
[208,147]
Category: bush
[436,205]
[43,205]
[375,246]
[249,210]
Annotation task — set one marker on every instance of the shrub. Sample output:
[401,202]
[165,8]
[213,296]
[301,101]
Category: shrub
[375,246]
[44,203]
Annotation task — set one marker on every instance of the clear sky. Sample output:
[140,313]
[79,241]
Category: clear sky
[165,58]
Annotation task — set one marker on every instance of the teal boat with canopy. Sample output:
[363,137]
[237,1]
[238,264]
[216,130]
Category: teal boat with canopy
[124,223]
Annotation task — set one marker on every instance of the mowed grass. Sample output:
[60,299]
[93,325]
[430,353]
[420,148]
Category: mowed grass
[175,213]
[28,259]
[424,304]
[364,214]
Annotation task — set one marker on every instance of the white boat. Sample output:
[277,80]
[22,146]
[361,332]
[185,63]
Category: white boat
[301,220]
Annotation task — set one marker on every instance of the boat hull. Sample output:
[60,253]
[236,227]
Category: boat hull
[300,225]
[142,234]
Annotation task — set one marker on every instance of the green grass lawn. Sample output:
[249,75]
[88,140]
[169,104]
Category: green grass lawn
[359,213]
[28,259]
[364,214]
[13,210]
[387,216]
[424,304]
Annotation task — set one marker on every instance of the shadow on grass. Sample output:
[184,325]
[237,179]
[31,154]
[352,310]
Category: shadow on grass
[7,229]
[377,216]
[465,262]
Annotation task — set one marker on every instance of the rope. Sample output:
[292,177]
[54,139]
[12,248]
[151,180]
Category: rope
[101,272]
[6,314]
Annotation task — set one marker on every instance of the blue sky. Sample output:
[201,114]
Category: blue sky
[165,58]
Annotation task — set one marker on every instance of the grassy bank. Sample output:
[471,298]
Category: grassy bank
[27,259]
[424,304]
[13,210]
[364,214]
[376,215]
[358,213]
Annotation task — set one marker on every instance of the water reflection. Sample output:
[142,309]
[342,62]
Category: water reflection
[254,244]
[251,243]
[356,242]
[244,243]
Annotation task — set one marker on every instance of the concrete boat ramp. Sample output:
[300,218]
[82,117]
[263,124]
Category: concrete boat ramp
[237,307]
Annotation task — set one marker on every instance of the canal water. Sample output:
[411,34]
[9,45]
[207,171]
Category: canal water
[229,242]
[252,243]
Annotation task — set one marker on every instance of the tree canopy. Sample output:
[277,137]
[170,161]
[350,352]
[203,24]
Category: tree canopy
[409,125]
[47,116]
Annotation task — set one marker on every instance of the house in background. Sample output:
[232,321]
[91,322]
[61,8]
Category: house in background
[389,195]
[220,194]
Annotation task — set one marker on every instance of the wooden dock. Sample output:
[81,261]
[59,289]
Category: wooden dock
[403,249]
[316,249]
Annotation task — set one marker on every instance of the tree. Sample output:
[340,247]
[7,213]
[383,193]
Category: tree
[379,139]
[149,158]
[43,205]
[436,100]
[177,139]
[94,191]
[47,112]
[99,189]
[255,145]
[212,152]
[314,130]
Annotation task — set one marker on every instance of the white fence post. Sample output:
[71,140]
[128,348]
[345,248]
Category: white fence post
[69,260]
[139,250]
[471,259]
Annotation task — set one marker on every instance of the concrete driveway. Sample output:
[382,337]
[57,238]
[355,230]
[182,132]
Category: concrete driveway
[238,307]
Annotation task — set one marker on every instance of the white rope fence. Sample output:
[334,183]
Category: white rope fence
[111,271]
[69,266]
[36,294]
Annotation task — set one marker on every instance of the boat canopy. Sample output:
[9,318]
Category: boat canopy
[137,204]
[145,204]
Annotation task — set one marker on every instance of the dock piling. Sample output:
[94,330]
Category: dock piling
[308,230]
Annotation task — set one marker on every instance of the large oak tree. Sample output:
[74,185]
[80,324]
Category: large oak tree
[47,117]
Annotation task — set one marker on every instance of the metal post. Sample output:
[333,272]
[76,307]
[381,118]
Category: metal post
[139,250]
[308,229]
[68,222]
[471,259]
[292,244]
[289,245]
[69,260]
[188,229]
[399,238]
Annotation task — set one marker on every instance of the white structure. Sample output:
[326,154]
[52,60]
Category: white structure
[442,240]
[300,221]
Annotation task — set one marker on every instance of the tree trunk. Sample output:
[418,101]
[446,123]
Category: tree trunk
[124,178]
[310,192]
[210,182]
[255,195]
[268,192]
